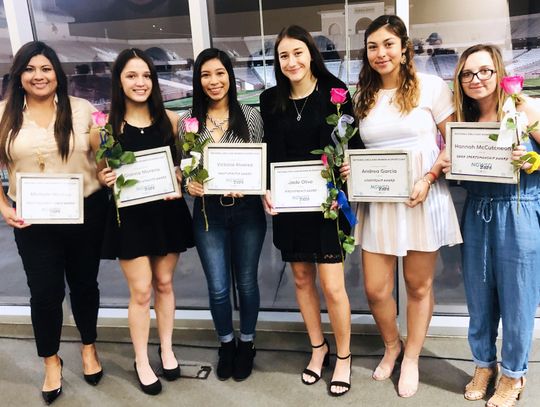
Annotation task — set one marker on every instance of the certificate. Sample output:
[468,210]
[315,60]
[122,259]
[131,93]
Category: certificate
[50,198]
[379,175]
[475,157]
[155,174]
[235,167]
[298,186]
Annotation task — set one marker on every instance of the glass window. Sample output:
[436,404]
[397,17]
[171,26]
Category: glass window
[325,20]
[88,35]
[13,290]
[440,31]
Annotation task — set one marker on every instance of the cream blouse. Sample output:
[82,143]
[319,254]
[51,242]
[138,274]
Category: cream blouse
[35,145]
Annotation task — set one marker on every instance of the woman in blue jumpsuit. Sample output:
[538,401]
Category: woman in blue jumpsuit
[500,229]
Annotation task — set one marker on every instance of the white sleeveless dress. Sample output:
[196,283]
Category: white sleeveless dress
[394,228]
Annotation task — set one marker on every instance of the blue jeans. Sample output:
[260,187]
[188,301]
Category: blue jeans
[234,238]
[501,254]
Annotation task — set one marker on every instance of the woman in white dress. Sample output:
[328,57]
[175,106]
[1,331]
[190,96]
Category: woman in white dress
[398,108]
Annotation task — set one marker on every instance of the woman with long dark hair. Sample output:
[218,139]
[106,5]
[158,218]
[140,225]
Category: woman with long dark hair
[151,235]
[43,130]
[236,223]
[294,114]
[501,225]
[399,108]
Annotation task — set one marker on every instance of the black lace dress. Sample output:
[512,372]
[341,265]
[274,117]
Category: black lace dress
[304,236]
[153,228]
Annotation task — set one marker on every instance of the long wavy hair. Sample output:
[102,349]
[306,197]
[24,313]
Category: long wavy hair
[318,68]
[467,108]
[369,80]
[12,118]
[237,121]
[154,101]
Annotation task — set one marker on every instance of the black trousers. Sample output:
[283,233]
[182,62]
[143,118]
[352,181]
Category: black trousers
[51,253]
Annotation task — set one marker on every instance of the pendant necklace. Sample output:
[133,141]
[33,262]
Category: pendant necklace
[217,123]
[40,160]
[299,113]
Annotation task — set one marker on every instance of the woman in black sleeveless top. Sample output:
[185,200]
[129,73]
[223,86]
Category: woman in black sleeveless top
[151,235]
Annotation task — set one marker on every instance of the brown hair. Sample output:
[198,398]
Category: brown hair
[369,81]
[12,119]
[467,108]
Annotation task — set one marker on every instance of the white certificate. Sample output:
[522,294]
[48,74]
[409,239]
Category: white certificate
[298,186]
[379,175]
[235,167]
[475,157]
[155,174]
[50,198]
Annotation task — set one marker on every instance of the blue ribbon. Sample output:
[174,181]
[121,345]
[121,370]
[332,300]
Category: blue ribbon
[343,204]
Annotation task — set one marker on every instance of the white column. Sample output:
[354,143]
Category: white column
[402,11]
[18,21]
[200,30]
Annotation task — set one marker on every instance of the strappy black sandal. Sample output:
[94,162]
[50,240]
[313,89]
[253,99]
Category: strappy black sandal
[326,362]
[346,385]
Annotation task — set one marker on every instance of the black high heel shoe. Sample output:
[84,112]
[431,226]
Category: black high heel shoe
[169,374]
[152,389]
[326,362]
[339,383]
[93,378]
[50,396]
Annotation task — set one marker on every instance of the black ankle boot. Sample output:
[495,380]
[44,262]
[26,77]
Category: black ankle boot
[226,353]
[243,363]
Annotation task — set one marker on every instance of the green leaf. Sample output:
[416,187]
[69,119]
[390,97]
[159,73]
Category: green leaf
[493,137]
[348,248]
[326,175]
[333,214]
[334,193]
[120,181]
[186,147]
[189,137]
[109,142]
[331,161]
[339,161]
[317,152]
[128,157]
[116,151]
[129,183]
[114,163]
[332,119]
[329,150]
[532,127]
[99,154]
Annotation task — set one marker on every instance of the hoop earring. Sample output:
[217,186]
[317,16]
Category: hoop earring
[403,59]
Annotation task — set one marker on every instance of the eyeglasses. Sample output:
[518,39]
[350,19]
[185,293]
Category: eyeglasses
[482,75]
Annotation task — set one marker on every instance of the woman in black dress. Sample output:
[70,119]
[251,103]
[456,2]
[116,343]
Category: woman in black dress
[294,115]
[151,235]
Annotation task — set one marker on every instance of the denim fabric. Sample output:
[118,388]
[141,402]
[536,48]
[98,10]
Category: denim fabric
[501,254]
[234,239]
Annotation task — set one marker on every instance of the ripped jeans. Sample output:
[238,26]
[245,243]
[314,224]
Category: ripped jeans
[501,253]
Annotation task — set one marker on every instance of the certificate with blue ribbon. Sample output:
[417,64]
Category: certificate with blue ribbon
[298,186]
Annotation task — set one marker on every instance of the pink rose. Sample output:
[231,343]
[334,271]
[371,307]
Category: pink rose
[100,118]
[191,125]
[324,159]
[512,85]
[338,95]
